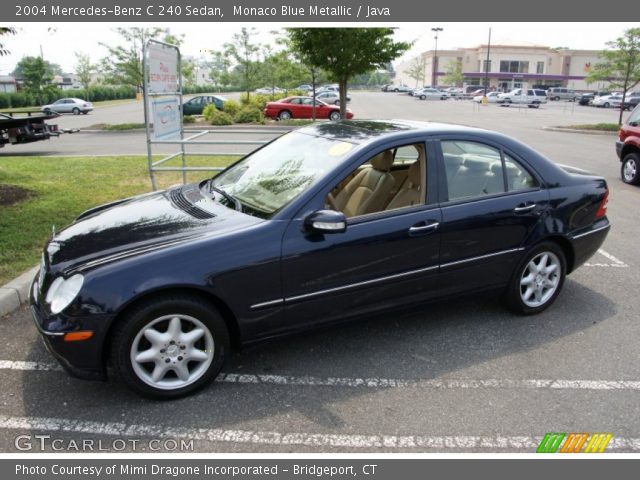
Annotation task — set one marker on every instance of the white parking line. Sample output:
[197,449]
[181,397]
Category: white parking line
[355,382]
[615,262]
[278,438]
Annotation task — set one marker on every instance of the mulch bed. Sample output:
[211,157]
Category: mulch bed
[12,194]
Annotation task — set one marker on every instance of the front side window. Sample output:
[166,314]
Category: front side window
[634,118]
[270,178]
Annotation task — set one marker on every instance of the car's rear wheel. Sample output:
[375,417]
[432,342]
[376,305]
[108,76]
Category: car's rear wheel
[334,116]
[630,169]
[284,115]
[606,105]
[538,279]
[75,111]
[170,347]
[337,102]
[423,97]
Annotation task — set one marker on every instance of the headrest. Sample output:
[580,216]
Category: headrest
[452,160]
[413,175]
[496,168]
[476,164]
[383,161]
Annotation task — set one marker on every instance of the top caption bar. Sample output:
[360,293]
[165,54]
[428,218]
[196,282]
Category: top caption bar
[295,11]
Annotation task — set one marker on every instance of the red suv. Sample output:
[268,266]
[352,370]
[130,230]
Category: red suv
[628,148]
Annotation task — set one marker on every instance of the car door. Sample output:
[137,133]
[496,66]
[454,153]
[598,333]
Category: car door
[384,259]
[491,203]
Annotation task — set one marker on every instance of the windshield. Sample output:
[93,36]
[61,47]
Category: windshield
[271,177]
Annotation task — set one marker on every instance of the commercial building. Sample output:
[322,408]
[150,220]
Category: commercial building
[511,65]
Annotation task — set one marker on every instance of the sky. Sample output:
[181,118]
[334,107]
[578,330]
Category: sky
[59,43]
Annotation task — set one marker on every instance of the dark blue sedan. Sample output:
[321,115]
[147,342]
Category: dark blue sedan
[332,221]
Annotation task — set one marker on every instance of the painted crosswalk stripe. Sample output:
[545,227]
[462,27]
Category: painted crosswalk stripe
[355,382]
[290,438]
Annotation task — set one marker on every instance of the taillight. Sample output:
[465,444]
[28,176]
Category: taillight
[602,209]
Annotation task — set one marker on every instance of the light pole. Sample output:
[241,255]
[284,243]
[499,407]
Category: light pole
[435,57]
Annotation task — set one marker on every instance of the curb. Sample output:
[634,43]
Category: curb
[16,292]
[577,130]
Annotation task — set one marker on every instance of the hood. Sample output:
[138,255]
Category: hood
[142,223]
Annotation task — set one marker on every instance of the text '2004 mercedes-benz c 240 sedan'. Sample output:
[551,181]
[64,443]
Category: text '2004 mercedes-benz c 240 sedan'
[328,222]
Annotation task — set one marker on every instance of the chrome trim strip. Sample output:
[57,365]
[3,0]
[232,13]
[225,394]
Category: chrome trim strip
[378,280]
[359,284]
[481,257]
[608,225]
[40,329]
[267,304]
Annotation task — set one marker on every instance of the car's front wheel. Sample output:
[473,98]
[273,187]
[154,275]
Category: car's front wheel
[169,347]
[537,280]
[629,170]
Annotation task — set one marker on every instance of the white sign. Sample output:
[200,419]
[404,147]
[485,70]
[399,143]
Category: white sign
[163,69]
[165,115]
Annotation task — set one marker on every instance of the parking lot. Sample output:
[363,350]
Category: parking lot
[463,376]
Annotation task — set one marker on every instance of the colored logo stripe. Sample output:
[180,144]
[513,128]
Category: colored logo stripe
[574,442]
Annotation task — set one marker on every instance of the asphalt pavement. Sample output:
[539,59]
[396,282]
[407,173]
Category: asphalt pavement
[463,376]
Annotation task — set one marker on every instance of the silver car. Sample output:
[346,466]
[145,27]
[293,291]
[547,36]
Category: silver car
[330,97]
[69,105]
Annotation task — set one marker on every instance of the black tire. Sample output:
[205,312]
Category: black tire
[513,296]
[557,99]
[396,90]
[285,115]
[337,102]
[334,116]
[630,168]
[508,101]
[423,97]
[130,326]
[47,111]
[85,112]
[606,105]
[75,111]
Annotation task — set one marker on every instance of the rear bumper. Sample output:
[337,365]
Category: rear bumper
[587,243]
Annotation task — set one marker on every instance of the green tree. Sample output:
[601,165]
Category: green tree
[245,53]
[52,68]
[218,67]
[453,73]
[5,31]
[417,69]
[345,52]
[123,65]
[188,70]
[36,77]
[85,70]
[621,65]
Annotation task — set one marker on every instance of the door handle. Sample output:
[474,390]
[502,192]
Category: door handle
[419,229]
[522,208]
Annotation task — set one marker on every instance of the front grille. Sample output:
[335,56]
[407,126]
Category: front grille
[181,202]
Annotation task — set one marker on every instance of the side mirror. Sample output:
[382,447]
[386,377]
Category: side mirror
[326,221]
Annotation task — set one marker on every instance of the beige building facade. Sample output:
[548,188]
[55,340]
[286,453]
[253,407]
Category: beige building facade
[510,66]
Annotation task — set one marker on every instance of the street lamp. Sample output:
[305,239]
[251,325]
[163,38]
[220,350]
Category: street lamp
[435,56]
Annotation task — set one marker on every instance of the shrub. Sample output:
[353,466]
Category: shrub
[249,114]
[189,119]
[216,117]
[231,107]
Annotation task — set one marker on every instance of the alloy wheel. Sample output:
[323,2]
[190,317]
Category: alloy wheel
[540,279]
[629,170]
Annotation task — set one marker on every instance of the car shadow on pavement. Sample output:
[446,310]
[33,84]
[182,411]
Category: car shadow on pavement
[429,342]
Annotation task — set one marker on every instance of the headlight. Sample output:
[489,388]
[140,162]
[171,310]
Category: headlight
[62,292]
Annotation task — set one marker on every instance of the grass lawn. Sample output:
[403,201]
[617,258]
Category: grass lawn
[63,187]
[601,127]
[105,103]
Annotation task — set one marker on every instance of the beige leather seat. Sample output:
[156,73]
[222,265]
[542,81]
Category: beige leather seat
[369,190]
[409,194]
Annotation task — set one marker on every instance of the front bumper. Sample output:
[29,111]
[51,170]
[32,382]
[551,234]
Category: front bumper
[83,359]
[619,146]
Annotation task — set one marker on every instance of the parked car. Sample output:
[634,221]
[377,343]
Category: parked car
[606,101]
[68,105]
[631,100]
[302,107]
[431,94]
[492,97]
[331,97]
[586,98]
[196,105]
[269,90]
[328,88]
[162,286]
[385,88]
[400,88]
[304,88]
[561,93]
[532,97]
[628,148]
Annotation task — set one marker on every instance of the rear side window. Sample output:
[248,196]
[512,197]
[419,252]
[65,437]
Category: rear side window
[517,177]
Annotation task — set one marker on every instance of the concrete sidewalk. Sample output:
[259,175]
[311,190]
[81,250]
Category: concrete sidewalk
[16,292]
